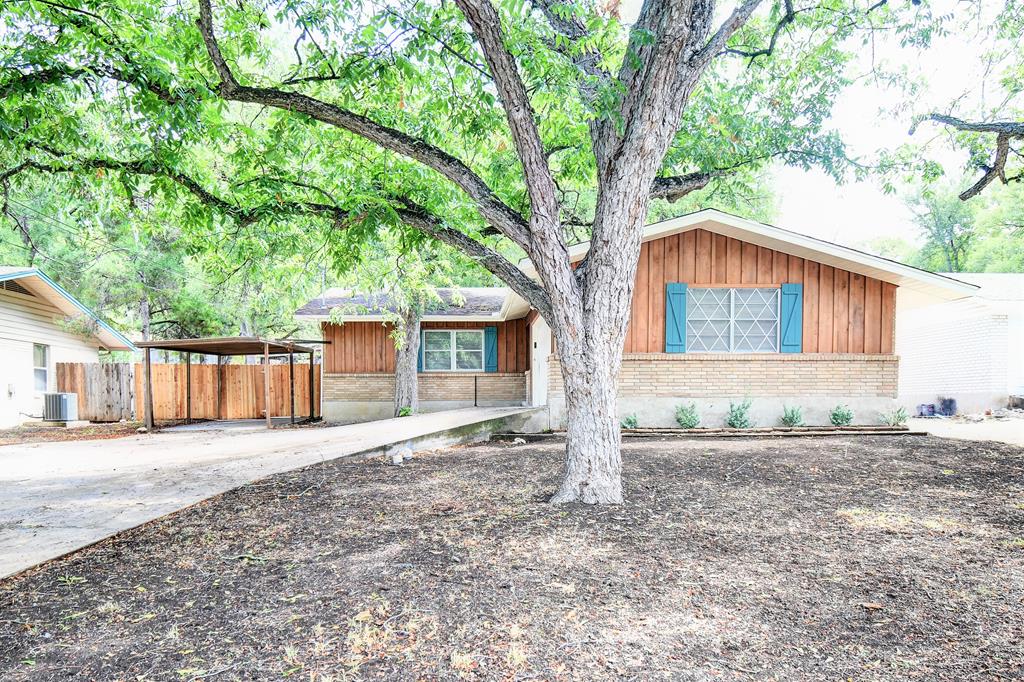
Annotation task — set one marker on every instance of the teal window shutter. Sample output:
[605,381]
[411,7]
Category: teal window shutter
[419,356]
[675,317]
[791,318]
[490,349]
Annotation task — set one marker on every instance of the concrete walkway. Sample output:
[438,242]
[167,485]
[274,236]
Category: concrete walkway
[1003,430]
[59,497]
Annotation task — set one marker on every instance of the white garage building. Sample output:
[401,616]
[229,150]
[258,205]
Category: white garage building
[971,349]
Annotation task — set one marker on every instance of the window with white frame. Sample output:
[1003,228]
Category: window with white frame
[41,366]
[723,320]
[453,350]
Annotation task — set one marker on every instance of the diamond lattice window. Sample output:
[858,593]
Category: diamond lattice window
[724,320]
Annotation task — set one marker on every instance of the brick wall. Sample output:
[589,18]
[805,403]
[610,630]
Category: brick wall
[706,375]
[959,350]
[490,387]
[653,385]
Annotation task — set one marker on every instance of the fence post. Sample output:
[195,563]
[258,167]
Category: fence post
[266,384]
[148,397]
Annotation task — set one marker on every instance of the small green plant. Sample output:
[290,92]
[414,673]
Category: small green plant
[739,417]
[630,422]
[897,417]
[405,411]
[841,415]
[687,417]
[792,416]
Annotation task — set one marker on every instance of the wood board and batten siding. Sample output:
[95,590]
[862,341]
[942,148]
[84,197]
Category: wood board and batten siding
[843,312]
[367,347]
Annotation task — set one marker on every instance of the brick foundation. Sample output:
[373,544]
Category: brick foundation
[358,397]
[651,385]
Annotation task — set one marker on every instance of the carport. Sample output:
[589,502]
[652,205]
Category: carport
[227,347]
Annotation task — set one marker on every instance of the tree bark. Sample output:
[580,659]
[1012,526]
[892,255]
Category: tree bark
[406,361]
[593,459]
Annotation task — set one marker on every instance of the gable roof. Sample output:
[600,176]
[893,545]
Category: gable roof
[921,281]
[37,283]
[492,304]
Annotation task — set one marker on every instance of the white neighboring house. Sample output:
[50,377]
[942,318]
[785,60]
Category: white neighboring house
[41,324]
[971,350]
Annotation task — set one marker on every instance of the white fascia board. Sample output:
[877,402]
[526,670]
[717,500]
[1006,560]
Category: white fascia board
[41,285]
[795,244]
[380,318]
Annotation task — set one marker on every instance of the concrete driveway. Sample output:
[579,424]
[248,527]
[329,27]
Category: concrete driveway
[1003,430]
[58,497]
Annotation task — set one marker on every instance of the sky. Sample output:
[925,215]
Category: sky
[855,213]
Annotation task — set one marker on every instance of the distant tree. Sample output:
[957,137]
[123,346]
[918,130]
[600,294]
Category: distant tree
[947,226]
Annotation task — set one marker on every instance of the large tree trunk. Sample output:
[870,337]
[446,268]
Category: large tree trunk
[593,461]
[406,357]
[591,352]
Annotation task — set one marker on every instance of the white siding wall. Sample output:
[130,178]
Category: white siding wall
[958,350]
[24,321]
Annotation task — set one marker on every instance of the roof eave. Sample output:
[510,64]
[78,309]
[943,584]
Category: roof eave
[110,338]
[779,238]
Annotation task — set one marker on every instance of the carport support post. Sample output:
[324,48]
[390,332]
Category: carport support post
[266,384]
[312,388]
[188,388]
[147,399]
[220,387]
[291,381]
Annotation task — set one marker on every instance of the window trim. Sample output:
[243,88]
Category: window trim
[732,321]
[452,364]
[45,366]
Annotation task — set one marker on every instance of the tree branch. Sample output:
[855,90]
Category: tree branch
[420,219]
[59,74]
[1004,132]
[486,25]
[785,21]
[716,43]
[411,214]
[678,186]
[504,218]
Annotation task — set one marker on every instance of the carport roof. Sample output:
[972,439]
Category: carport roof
[227,345]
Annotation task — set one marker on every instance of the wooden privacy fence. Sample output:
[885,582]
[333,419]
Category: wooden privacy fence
[106,390]
[111,392]
[239,394]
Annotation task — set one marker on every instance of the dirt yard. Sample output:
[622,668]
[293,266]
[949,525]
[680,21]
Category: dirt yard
[815,559]
[52,434]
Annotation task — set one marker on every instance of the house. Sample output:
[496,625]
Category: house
[971,350]
[41,324]
[724,308]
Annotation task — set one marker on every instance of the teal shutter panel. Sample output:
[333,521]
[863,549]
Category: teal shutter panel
[791,318]
[490,349]
[675,317]
[419,356]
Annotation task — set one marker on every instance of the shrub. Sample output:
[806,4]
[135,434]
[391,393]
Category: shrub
[792,416]
[897,417]
[738,417]
[841,415]
[687,417]
[630,422]
[405,411]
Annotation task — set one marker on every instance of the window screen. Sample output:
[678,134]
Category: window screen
[722,320]
[450,350]
[40,366]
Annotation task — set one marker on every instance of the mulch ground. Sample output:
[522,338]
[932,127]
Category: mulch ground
[54,434]
[818,559]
